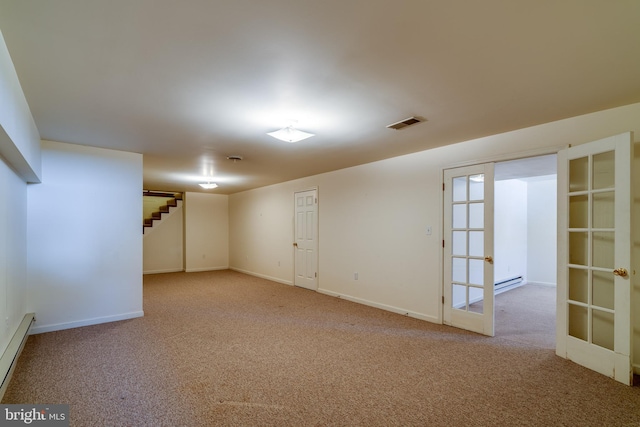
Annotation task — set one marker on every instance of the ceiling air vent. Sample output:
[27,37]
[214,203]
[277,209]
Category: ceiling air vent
[406,122]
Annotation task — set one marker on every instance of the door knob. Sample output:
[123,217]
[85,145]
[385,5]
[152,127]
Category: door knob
[295,245]
[622,272]
[489,259]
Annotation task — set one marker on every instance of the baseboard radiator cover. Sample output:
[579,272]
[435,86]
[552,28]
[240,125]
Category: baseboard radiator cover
[506,284]
[10,356]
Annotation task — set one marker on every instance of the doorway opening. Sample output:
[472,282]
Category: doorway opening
[525,249]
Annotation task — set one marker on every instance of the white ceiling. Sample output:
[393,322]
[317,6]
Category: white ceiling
[528,167]
[189,83]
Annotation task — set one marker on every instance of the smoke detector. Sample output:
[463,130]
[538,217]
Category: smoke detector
[406,122]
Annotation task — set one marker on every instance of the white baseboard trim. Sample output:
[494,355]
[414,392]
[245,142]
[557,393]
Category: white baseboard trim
[87,322]
[196,270]
[262,276]
[386,307]
[169,270]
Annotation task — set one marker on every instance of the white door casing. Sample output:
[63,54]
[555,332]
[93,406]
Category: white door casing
[594,256]
[306,239]
[468,248]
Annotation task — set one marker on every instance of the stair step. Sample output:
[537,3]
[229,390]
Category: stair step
[166,208]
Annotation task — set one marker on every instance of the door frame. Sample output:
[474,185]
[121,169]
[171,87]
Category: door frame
[491,159]
[317,240]
[561,285]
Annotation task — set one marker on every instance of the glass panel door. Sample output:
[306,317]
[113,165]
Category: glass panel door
[594,285]
[468,244]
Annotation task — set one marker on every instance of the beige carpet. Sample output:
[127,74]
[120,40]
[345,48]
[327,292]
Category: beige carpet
[527,314]
[226,349]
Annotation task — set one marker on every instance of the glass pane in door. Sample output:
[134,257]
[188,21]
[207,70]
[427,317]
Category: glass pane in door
[579,285]
[602,326]
[603,292]
[579,174]
[604,170]
[459,243]
[604,210]
[476,300]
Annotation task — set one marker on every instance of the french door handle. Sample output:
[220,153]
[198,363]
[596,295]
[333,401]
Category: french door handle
[622,272]
[489,259]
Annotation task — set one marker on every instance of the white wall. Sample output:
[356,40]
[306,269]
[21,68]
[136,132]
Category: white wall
[372,218]
[206,231]
[261,232]
[163,243]
[510,229]
[542,230]
[84,237]
[20,162]
[13,253]
[19,137]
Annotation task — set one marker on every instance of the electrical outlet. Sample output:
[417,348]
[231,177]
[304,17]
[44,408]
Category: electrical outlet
[429,231]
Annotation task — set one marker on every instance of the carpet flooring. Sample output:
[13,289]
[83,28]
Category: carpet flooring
[225,349]
[527,314]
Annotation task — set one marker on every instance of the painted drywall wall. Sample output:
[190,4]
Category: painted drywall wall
[542,230]
[19,137]
[372,221]
[206,231]
[510,230]
[163,244]
[84,238]
[261,232]
[13,252]
[372,218]
[20,162]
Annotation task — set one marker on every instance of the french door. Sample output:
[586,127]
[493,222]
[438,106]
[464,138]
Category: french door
[594,269]
[468,248]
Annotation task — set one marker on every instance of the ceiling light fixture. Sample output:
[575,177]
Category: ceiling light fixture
[290,134]
[208,185]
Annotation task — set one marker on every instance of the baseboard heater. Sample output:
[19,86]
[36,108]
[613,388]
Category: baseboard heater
[10,356]
[512,282]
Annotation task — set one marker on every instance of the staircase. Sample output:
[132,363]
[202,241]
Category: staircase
[173,200]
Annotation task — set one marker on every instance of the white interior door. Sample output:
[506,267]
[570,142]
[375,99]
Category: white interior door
[306,239]
[594,257]
[468,248]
